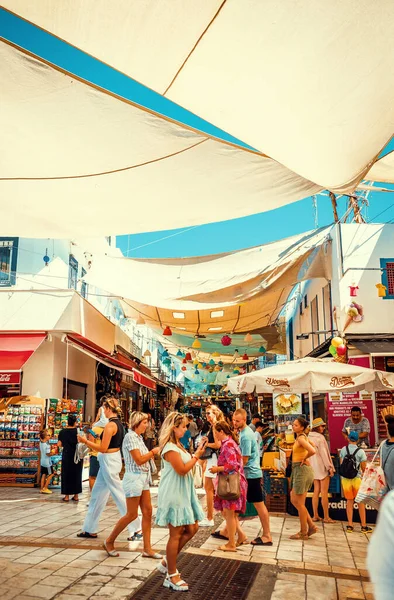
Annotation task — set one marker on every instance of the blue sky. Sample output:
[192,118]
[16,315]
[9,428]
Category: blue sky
[203,239]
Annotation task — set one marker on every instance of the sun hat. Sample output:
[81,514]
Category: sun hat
[317,422]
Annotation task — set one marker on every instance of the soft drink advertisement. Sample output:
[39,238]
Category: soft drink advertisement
[339,405]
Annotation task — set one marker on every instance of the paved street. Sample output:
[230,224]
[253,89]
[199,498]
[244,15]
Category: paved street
[41,557]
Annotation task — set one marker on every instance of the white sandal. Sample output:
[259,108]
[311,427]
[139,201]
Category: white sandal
[163,569]
[181,586]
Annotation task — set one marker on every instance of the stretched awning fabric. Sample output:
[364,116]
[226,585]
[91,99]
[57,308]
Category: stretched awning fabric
[17,348]
[241,291]
[298,82]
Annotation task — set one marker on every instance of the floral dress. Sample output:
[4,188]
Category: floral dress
[230,458]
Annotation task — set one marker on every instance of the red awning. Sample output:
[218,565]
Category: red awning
[144,380]
[17,348]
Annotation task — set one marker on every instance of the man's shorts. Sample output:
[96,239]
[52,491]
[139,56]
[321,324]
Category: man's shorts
[350,487]
[94,466]
[46,470]
[255,491]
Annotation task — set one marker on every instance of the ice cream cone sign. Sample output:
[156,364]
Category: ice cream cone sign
[354,313]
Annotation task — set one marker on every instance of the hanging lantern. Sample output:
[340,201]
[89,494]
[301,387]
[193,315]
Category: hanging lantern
[188,356]
[215,354]
[147,353]
[248,338]
[199,366]
[167,361]
[167,331]
[196,372]
[195,361]
[183,368]
[165,354]
[184,361]
[226,340]
[140,320]
[262,350]
[228,377]
[196,343]
[245,357]
[217,368]
[179,353]
[206,367]
[236,371]
[204,364]
[212,362]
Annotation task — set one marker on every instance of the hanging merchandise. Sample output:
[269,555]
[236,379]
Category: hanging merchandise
[382,290]
[167,331]
[248,338]
[226,340]
[353,290]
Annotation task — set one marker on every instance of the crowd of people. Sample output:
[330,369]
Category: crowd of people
[228,453]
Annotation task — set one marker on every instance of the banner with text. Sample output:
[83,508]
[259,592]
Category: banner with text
[339,405]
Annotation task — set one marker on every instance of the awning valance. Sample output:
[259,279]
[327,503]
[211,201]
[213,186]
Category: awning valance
[16,349]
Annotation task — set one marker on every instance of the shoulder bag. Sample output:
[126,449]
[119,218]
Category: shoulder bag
[229,486]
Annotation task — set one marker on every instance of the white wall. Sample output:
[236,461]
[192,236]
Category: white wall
[363,245]
[44,372]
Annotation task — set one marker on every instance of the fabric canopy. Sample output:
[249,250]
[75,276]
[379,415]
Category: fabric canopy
[16,349]
[234,63]
[310,375]
[236,292]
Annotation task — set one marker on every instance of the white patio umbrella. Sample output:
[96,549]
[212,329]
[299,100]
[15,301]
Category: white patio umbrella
[312,375]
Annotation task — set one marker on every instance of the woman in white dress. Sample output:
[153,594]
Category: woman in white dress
[323,470]
[213,414]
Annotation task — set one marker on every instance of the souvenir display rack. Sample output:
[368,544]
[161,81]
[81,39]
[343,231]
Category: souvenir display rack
[58,411]
[21,419]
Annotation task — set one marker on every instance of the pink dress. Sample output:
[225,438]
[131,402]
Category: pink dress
[230,458]
[321,462]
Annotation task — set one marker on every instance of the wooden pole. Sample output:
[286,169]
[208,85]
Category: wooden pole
[356,209]
[334,206]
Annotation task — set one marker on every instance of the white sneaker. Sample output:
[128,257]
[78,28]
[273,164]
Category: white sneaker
[207,523]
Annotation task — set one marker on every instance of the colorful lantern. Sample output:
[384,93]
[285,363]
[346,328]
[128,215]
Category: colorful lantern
[165,354]
[245,357]
[195,361]
[212,362]
[147,353]
[336,341]
[236,371]
[179,353]
[196,372]
[196,343]
[226,340]
[220,363]
[262,350]
[167,331]
[184,361]
[188,356]
[216,354]
[248,338]
[140,320]
[167,362]
[199,366]
[183,368]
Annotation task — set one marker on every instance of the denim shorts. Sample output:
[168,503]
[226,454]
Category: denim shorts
[135,483]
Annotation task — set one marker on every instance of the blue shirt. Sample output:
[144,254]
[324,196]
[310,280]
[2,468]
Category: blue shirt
[249,448]
[45,461]
[185,439]
[360,456]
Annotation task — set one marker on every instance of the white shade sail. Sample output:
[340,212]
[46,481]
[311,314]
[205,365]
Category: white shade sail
[310,375]
[299,82]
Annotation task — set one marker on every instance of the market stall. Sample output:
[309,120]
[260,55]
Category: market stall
[21,419]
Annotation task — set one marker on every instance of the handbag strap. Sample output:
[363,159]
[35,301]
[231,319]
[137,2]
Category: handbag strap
[377,451]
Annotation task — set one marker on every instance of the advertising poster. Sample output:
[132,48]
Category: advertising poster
[339,405]
[287,404]
[383,400]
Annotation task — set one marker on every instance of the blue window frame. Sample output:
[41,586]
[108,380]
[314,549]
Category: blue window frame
[387,264]
[72,272]
[8,260]
[84,285]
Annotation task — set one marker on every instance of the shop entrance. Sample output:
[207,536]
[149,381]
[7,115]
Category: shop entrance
[74,390]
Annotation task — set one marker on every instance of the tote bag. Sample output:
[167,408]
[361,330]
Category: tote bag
[373,484]
[229,486]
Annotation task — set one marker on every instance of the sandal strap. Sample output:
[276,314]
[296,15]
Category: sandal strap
[173,575]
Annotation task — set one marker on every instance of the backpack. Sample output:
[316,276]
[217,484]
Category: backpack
[349,468]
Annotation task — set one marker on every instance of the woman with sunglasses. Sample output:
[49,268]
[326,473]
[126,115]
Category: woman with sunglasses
[323,470]
[177,503]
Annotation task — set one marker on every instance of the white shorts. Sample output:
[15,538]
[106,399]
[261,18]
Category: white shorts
[135,483]
[211,462]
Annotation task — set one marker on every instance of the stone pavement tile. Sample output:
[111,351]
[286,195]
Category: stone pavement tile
[125,583]
[95,579]
[294,564]
[288,595]
[286,576]
[100,570]
[320,560]
[84,590]
[201,551]
[46,592]
[80,563]
[344,571]
[50,564]
[72,572]
[56,580]
[134,573]
[321,588]
[30,559]
[110,591]
[350,589]
[9,593]
[116,562]
[95,555]
[75,552]
[313,566]
[367,587]
[47,552]
[289,555]
[263,560]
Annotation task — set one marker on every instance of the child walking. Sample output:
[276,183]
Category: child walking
[45,462]
[353,463]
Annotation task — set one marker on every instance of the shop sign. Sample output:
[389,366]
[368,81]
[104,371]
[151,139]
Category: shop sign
[287,404]
[383,400]
[339,405]
[10,378]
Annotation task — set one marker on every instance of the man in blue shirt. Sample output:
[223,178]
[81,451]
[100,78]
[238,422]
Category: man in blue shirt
[251,459]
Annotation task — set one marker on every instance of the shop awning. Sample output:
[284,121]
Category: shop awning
[16,349]
[382,346]
[144,380]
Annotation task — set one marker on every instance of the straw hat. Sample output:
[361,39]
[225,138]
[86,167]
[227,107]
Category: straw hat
[317,422]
